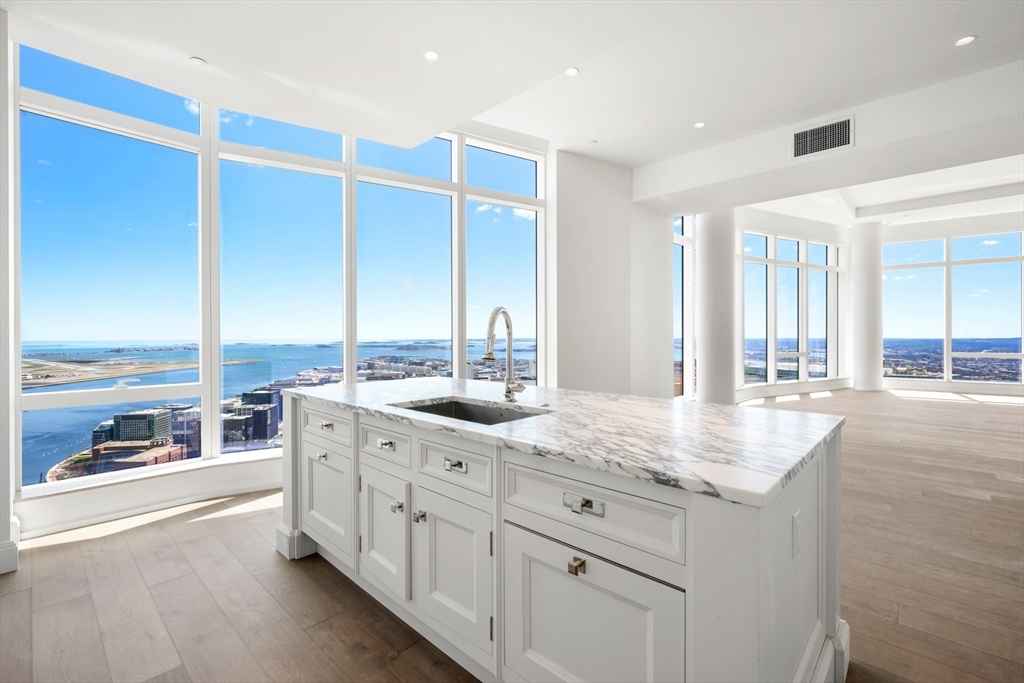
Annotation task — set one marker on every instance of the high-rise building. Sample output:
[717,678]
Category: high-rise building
[186,428]
[264,422]
[103,432]
[140,425]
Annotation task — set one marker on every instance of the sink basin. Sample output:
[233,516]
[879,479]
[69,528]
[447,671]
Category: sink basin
[475,412]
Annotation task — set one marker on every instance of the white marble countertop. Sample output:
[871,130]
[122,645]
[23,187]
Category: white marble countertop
[744,455]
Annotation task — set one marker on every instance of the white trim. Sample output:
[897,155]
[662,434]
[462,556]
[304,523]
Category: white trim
[59,510]
[751,391]
[954,386]
[460,354]
[48,400]
[233,151]
[349,236]
[108,121]
[518,201]
[209,282]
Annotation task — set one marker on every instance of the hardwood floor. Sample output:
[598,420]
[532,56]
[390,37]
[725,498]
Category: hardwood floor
[932,587]
[198,593]
[933,533]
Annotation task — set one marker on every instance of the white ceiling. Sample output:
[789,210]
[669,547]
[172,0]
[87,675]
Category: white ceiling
[748,67]
[988,187]
[648,70]
[352,67]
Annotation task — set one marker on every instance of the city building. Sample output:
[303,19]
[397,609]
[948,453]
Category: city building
[729,207]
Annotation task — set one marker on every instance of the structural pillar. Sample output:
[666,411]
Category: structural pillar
[715,297]
[866,306]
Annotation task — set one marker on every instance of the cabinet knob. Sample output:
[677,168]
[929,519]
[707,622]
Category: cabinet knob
[321,457]
[397,506]
[420,516]
[329,426]
[577,566]
[385,444]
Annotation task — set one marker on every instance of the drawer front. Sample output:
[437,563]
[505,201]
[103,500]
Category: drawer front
[383,443]
[637,522]
[462,468]
[319,423]
[572,616]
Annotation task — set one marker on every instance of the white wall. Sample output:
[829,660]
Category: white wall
[612,283]
[651,301]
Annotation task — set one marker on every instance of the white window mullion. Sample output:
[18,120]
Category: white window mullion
[947,356]
[803,297]
[350,327]
[458,294]
[771,343]
[209,280]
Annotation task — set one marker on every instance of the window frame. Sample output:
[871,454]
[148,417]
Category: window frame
[804,267]
[948,264]
[210,151]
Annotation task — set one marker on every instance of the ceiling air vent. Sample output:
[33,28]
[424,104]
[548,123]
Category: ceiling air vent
[821,138]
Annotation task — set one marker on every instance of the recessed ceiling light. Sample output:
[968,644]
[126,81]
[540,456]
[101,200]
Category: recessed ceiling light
[699,124]
[432,55]
[965,41]
[571,71]
[197,60]
[593,142]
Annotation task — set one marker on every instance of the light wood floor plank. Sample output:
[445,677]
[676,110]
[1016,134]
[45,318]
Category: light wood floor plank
[210,648]
[156,554]
[57,574]
[66,643]
[280,647]
[176,675]
[135,639]
[16,637]
[12,582]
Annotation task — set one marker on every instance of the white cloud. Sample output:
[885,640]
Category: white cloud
[192,106]
[990,243]
[193,225]
[249,122]
[228,117]
[39,201]
[910,277]
[484,207]
[497,209]
[898,277]
[747,250]
[524,213]
[884,276]
[44,162]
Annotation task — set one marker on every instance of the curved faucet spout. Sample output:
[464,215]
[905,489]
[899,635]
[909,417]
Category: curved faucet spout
[512,387]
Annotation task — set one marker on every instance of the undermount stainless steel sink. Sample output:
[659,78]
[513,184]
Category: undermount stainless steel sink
[475,412]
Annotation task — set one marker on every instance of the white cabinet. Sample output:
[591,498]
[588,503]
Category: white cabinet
[571,616]
[453,567]
[384,530]
[326,501]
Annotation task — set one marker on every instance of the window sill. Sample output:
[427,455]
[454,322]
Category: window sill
[99,481]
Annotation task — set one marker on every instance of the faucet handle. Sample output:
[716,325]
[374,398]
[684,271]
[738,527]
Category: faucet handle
[517,386]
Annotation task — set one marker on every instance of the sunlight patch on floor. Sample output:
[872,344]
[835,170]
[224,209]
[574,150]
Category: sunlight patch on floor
[787,399]
[821,394]
[928,395]
[752,402]
[1003,400]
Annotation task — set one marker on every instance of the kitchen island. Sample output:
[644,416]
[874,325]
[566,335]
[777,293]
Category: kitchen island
[575,535]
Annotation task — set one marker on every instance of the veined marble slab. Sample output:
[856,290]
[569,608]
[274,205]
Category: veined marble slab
[745,455]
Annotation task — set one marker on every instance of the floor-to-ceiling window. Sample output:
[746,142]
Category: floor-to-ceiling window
[952,309]
[684,263]
[789,309]
[182,264]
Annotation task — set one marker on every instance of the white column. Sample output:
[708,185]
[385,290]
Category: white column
[10,352]
[715,297]
[866,306]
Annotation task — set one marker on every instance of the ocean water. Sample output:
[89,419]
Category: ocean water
[49,436]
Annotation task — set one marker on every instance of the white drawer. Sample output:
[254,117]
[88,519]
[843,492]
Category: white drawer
[383,443]
[460,467]
[637,522]
[323,424]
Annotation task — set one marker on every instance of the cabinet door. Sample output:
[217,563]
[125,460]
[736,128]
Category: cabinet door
[327,495]
[384,527]
[606,623]
[452,554]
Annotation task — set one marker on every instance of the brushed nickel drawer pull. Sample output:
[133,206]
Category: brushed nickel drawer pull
[329,426]
[582,505]
[397,506]
[455,466]
[385,444]
[420,516]
[322,457]
[577,566]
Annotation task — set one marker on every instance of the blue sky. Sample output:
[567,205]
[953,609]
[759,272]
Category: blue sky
[110,238]
[110,230]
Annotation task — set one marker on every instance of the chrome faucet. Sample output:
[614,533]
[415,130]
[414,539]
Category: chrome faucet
[512,387]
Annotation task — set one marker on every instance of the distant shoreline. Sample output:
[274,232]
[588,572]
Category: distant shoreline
[119,372]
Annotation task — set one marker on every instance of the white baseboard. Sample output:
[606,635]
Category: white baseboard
[8,557]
